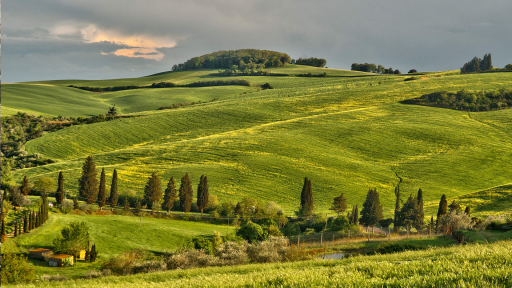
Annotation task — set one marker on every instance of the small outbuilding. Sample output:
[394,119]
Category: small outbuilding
[60,260]
[81,255]
[40,253]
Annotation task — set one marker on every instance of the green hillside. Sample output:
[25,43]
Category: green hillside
[347,134]
[114,234]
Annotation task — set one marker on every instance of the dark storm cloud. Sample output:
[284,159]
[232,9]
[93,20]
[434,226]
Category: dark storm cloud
[52,39]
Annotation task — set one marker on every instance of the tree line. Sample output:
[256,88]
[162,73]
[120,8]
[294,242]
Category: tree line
[312,61]
[477,65]
[372,68]
[226,59]
[473,101]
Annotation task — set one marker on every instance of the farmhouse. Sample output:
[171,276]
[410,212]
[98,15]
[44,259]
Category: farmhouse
[40,253]
[60,260]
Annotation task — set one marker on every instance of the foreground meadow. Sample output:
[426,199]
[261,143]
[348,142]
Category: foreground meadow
[472,265]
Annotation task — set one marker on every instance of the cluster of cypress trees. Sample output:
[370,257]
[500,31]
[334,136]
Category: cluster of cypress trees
[89,188]
[202,193]
[31,219]
[353,216]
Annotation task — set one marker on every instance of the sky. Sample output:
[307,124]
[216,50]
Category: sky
[104,39]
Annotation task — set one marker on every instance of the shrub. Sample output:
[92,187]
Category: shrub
[386,248]
[490,219]
[271,250]
[266,86]
[53,278]
[203,244]
[190,259]
[296,254]
[291,229]
[455,221]
[122,264]
[148,267]
[232,253]
[251,232]
[495,225]
[273,230]
[410,79]
[16,270]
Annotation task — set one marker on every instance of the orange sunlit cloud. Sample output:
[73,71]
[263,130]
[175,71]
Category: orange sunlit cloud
[142,46]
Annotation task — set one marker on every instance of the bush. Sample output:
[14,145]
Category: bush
[190,259]
[203,244]
[386,248]
[232,253]
[53,278]
[148,267]
[122,264]
[16,270]
[251,232]
[291,229]
[271,250]
[266,86]
[495,225]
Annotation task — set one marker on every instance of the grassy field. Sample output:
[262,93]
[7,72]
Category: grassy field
[112,235]
[347,134]
[458,266]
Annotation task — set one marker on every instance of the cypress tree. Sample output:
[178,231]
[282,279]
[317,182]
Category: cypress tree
[371,213]
[170,195]
[16,229]
[75,204]
[396,221]
[443,205]
[468,211]
[114,198]
[185,194]
[238,209]
[138,207]
[303,199]
[24,186]
[356,216]
[419,223]
[88,182]
[93,253]
[19,228]
[339,204]
[202,193]
[3,227]
[153,191]
[102,195]
[60,194]
[33,220]
[25,223]
[126,205]
[307,198]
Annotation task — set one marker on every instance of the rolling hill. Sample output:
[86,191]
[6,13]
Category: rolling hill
[346,133]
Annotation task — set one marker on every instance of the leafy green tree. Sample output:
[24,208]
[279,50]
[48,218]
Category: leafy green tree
[73,239]
[371,213]
[185,194]
[170,195]
[443,205]
[202,193]
[88,184]
[396,220]
[102,195]
[153,191]
[339,204]
[114,197]
[44,184]
[24,186]
[409,213]
[60,194]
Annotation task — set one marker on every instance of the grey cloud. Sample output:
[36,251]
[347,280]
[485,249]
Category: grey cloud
[403,34]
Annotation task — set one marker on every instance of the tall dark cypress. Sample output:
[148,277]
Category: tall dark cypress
[16,229]
[396,221]
[102,195]
[468,211]
[186,194]
[371,213]
[202,193]
[114,197]
[307,198]
[356,216]
[88,184]
[170,195]
[25,223]
[153,191]
[443,206]
[420,219]
[60,194]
